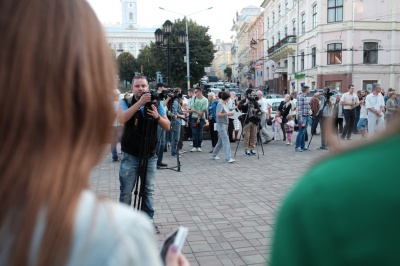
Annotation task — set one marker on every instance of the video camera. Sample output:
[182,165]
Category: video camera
[327,93]
[164,94]
[251,98]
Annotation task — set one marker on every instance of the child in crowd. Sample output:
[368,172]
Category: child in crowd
[278,135]
[289,128]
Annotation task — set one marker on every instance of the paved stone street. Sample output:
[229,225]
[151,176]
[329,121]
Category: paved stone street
[229,208]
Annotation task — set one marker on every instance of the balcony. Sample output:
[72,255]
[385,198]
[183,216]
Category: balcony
[283,48]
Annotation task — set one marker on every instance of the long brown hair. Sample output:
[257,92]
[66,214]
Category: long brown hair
[56,79]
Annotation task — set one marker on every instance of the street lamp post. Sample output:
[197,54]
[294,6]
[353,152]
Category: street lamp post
[187,41]
[163,40]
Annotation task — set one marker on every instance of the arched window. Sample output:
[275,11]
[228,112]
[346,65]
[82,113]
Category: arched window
[130,16]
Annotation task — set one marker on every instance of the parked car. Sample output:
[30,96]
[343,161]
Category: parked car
[227,85]
[220,85]
[274,96]
[274,102]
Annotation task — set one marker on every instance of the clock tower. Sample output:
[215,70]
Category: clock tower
[129,14]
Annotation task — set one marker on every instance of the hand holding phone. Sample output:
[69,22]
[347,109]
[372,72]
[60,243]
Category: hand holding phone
[177,238]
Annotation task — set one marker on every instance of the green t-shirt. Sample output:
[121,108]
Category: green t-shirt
[344,211]
[199,105]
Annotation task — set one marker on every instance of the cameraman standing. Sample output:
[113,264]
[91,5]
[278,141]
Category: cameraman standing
[249,129]
[349,101]
[133,117]
[324,116]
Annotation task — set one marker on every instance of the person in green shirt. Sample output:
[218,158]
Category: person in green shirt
[345,210]
[198,108]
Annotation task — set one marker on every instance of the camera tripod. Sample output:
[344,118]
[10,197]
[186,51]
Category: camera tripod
[141,175]
[173,128]
[258,134]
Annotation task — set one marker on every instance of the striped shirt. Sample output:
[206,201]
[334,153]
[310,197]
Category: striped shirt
[303,106]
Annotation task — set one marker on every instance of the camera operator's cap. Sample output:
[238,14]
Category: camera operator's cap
[161,85]
[248,91]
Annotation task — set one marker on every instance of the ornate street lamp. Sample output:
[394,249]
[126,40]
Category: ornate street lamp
[163,40]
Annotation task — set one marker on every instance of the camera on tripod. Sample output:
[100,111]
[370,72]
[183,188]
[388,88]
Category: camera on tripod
[251,98]
[173,94]
[327,93]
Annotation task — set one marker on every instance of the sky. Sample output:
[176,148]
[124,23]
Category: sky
[219,19]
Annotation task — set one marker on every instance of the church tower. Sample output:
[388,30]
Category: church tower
[129,14]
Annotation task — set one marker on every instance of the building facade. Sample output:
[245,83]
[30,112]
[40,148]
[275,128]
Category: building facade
[241,70]
[222,59]
[331,43]
[256,54]
[128,36]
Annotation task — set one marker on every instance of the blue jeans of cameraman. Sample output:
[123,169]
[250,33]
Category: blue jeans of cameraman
[175,134]
[197,132]
[127,178]
[160,144]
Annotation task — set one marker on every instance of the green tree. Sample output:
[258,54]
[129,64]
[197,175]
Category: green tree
[148,61]
[228,72]
[127,66]
[201,53]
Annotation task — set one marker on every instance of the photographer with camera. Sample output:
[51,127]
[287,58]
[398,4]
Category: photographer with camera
[325,115]
[161,136]
[175,114]
[134,117]
[250,107]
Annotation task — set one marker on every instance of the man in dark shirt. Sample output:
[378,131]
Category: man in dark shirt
[249,128]
[315,106]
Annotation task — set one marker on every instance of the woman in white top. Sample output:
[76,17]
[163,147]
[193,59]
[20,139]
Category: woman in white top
[362,123]
[56,52]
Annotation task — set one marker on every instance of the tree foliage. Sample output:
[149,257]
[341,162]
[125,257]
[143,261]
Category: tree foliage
[127,66]
[201,54]
[228,72]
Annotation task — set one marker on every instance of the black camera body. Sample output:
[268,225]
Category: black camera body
[173,94]
[154,95]
[251,98]
[328,93]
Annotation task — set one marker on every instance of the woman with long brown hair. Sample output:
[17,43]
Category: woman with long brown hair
[55,54]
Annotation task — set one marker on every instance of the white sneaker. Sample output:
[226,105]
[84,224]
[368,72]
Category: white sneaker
[194,149]
[216,158]
[230,161]
[198,149]
[287,143]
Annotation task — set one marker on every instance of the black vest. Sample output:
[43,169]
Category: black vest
[134,135]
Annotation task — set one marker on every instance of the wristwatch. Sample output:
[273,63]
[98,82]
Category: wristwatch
[158,118]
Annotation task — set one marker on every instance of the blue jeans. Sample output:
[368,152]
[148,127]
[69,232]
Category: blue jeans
[197,132]
[127,178]
[301,137]
[160,144]
[175,134]
[223,141]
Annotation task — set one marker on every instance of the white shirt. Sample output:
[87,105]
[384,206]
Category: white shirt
[349,99]
[116,109]
[374,101]
[264,105]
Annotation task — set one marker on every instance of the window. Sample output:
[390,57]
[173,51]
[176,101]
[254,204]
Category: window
[313,57]
[130,16]
[268,22]
[370,53]
[335,10]
[302,61]
[285,62]
[303,23]
[130,5]
[334,53]
[314,17]
[286,5]
[268,44]
[279,36]
[273,41]
[294,27]
[120,46]
[293,65]
[285,31]
[273,17]
[279,11]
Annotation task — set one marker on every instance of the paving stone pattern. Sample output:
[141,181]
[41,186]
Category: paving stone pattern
[229,208]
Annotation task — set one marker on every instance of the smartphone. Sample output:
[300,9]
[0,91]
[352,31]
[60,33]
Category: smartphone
[178,238]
